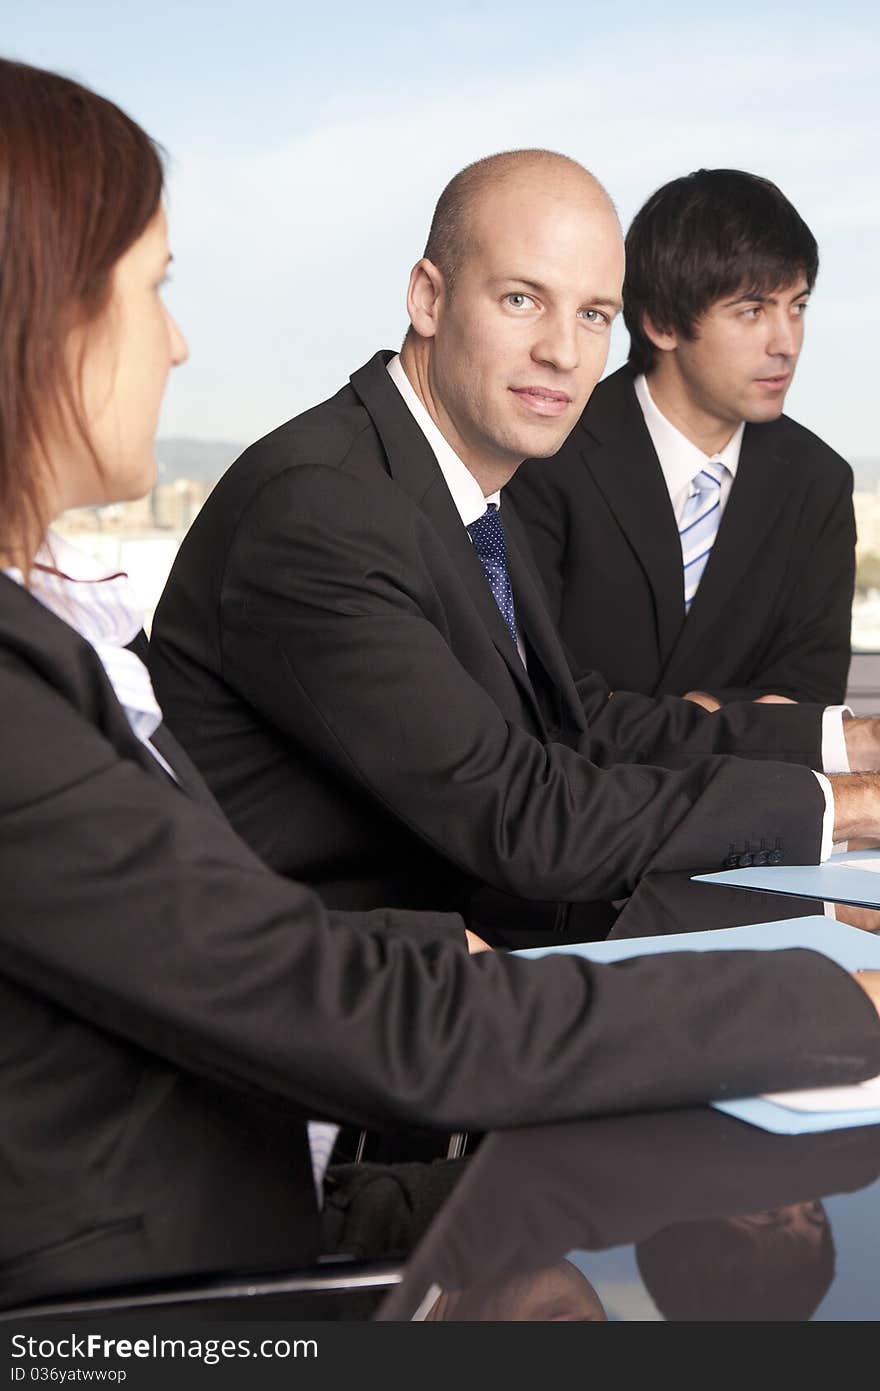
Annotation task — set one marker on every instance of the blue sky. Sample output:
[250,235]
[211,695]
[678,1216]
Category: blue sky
[308,146]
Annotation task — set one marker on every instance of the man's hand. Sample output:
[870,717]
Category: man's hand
[707,701]
[870,983]
[475,943]
[856,806]
[862,738]
[865,919]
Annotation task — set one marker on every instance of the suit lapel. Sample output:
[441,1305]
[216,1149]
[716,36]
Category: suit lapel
[616,448]
[185,771]
[414,468]
[73,667]
[533,615]
[759,493]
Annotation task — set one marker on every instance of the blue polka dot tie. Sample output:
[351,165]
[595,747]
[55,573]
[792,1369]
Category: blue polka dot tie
[487,534]
[698,526]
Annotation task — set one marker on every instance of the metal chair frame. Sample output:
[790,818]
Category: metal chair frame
[333,1274]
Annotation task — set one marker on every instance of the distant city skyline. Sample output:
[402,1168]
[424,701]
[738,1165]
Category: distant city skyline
[307,149]
[191,456]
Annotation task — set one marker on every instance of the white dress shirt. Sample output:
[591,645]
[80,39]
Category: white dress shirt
[680,459]
[103,609]
[470,502]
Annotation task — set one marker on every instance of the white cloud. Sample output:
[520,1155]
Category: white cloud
[293,259]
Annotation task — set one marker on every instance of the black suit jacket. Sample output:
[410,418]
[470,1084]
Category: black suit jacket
[772,613]
[172,1010]
[330,654]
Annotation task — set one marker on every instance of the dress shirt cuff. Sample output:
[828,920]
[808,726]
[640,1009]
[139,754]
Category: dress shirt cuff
[834,755]
[834,760]
[828,818]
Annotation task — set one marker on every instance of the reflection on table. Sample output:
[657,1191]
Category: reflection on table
[684,1215]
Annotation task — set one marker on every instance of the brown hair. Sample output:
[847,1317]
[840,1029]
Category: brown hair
[79,183]
[700,238]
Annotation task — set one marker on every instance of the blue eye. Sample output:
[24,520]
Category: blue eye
[595,318]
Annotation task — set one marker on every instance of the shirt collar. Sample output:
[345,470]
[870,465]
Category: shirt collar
[103,610]
[466,491]
[79,590]
[680,459]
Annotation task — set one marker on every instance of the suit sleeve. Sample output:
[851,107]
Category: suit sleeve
[667,730]
[808,650]
[138,911]
[334,633]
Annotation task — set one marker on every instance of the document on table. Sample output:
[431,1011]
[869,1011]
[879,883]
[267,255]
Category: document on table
[853,877]
[788,1113]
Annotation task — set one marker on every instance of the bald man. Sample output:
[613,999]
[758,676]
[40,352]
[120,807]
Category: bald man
[354,646]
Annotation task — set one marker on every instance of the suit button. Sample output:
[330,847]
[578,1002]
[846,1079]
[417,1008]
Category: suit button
[732,862]
[761,857]
[775,857]
[745,860]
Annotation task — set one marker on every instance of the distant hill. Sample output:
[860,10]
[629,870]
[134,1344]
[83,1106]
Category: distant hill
[205,460]
[209,459]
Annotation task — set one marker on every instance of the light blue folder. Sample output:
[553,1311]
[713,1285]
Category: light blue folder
[830,881]
[849,947]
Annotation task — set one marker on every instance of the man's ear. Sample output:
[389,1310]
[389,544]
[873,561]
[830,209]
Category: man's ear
[425,297]
[664,340]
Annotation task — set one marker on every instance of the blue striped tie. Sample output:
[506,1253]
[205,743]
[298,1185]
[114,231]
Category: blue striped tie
[487,534]
[698,525]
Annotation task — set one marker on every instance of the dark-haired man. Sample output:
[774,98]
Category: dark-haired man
[775,1265]
[693,539]
[355,650]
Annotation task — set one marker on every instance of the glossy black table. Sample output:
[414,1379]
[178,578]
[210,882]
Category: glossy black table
[684,1215]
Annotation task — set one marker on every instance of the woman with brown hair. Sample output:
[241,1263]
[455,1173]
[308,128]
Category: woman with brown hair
[87,341]
[172,1010]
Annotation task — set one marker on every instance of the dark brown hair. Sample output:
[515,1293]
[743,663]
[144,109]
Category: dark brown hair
[79,183]
[710,234]
[721,1269]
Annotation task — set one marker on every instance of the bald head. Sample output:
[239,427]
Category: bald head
[465,202]
[511,308]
